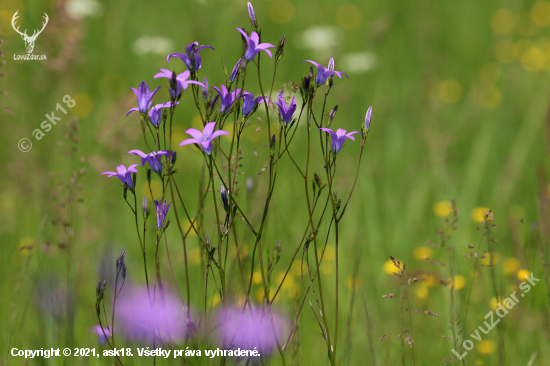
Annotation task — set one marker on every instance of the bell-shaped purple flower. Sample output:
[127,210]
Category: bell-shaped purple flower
[339,137]
[152,158]
[181,81]
[144,96]
[227,97]
[252,329]
[205,137]
[324,73]
[155,113]
[254,45]
[99,332]
[191,57]
[286,112]
[249,103]
[125,175]
[162,211]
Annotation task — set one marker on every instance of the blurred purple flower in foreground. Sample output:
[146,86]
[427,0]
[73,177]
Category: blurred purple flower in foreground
[254,45]
[162,211]
[191,57]
[144,96]
[161,322]
[153,158]
[324,73]
[100,336]
[246,330]
[125,175]
[338,137]
[286,112]
[205,137]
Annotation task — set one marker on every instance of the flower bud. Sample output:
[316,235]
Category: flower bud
[332,114]
[144,206]
[225,200]
[249,184]
[252,15]
[367,120]
[205,90]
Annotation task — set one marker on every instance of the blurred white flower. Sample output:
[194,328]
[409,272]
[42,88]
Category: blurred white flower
[359,62]
[79,9]
[320,39]
[157,45]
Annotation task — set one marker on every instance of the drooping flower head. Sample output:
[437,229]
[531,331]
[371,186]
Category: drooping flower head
[254,46]
[181,81]
[338,137]
[162,321]
[125,175]
[252,15]
[153,158]
[144,96]
[248,331]
[324,73]
[205,137]
[191,57]
[162,211]
[286,112]
[155,113]
[249,103]
[227,97]
[99,332]
[367,119]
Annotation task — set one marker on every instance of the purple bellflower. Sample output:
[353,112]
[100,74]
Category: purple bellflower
[155,113]
[181,81]
[144,96]
[324,73]
[99,332]
[249,103]
[338,137]
[191,57]
[225,201]
[152,158]
[205,137]
[254,45]
[162,210]
[235,70]
[367,119]
[125,175]
[286,112]
[227,98]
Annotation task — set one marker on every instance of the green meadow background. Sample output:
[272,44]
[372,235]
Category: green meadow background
[460,96]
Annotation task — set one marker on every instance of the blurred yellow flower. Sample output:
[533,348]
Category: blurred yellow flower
[259,295]
[389,267]
[489,73]
[354,283]
[486,347]
[489,97]
[442,208]
[281,11]
[490,259]
[522,273]
[178,136]
[194,256]
[215,299]
[422,292]
[421,253]
[25,245]
[540,13]
[297,268]
[257,277]
[427,279]
[349,17]
[533,59]
[478,214]
[288,280]
[494,303]
[330,253]
[510,265]
[156,188]
[83,105]
[459,282]
[449,91]
[326,268]
[502,21]
[186,225]
[479,362]
[196,123]
[504,51]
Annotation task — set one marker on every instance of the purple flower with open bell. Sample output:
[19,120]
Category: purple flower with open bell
[181,81]
[155,113]
[324,73]
[144,96]
[125,175]
[191,57]
[205,137]
[338,137]
[254,45]
[249,103]
[162,211]
[153,158]
[227,97]
[286,112]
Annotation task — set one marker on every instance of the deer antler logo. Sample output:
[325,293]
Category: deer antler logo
[29,40]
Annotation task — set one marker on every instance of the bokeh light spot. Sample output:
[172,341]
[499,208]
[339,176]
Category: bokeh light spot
[502,21]
[281,11]
[449,91]
[349,17]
